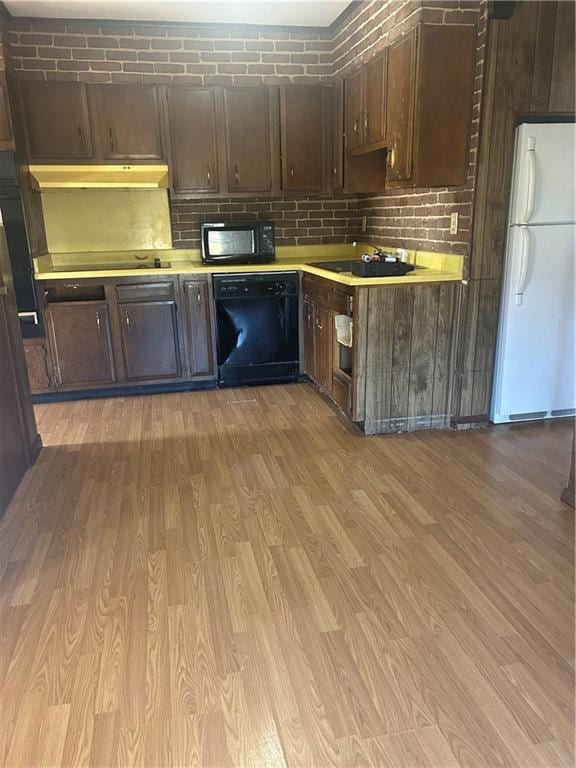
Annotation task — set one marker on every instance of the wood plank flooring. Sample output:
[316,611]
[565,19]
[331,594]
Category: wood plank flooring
[236,578]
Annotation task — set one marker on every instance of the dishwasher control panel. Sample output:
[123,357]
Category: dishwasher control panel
[255,284]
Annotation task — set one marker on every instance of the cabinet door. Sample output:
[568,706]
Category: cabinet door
[309,324]
[36,354]
[13,453]
[127,119]
[337,134]
[81,345]
[324,348]
[56,121]
[400,92]
[302,130]
[354,107]
[247,118]
[199,329]
[374,125]
[192,120]
[150,343]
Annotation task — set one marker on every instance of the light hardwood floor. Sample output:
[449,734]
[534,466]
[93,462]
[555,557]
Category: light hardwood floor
[236,578]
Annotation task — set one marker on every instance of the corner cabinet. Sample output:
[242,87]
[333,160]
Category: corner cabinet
[366,106]
[199,329]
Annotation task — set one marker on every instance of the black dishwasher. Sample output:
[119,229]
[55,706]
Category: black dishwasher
[257,327]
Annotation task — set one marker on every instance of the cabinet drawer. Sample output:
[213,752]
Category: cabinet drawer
[341,301]
[160,291]
[317,288]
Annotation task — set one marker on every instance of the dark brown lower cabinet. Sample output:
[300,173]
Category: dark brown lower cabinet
[324,347]
[150,340]
[309,308]
[38,365]
[199,329]
[81,344]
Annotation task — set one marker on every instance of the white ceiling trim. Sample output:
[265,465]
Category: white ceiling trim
[306,13]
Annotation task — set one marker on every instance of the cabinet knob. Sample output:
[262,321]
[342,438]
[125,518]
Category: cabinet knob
[236,175]
[111,139]
[319,325]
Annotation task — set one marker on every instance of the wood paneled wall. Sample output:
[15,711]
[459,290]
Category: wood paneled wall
[407,356]
[529,69]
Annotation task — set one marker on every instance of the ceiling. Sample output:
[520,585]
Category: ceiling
[308,13]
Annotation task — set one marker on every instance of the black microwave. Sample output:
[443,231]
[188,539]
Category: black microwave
[238,242]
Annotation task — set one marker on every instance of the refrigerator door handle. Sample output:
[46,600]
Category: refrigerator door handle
[524,262]
[531,157]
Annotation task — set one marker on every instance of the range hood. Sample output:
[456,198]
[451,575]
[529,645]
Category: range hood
[99,176]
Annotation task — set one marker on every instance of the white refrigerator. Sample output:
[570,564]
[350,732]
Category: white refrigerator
[534,371]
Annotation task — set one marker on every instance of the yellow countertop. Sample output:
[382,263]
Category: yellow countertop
[430,267]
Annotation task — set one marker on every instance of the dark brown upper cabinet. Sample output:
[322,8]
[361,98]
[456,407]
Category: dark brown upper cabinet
[336,126]
[127,122]
[354,108]
[193,139]
[429,100]
[247,126]
[56,121]
[302,137]
[366,106]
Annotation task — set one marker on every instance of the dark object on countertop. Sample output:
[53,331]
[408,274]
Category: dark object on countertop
[157,263]
[380,268]
[363,269]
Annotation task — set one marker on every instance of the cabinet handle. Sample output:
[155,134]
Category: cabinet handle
[292,171]
[208,174]
[80,137]
[236,175]
[198,297]
[98,322]
[355,127]
[127,320]
[111,138]
[318,325]
[390,158]
[366,124]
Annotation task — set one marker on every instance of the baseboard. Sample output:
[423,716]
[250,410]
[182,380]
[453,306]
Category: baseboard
[150,389]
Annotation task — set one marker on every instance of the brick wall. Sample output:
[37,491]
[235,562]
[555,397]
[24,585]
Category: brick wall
[309,220]
[123,52]
[215,54]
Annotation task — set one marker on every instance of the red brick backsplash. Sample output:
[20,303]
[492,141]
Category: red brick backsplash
[130,52]
[299,221]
